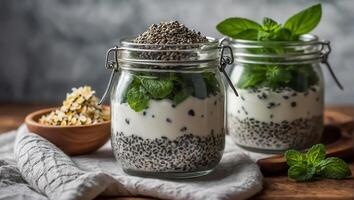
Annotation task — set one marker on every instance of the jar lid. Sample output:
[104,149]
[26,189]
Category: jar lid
[166,55]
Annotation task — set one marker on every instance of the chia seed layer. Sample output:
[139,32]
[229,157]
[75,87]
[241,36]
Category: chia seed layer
[171,32]
[164,36]
[299,133]
[273,120]
[186,153]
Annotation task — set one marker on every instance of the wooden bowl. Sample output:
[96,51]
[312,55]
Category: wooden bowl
[73,140]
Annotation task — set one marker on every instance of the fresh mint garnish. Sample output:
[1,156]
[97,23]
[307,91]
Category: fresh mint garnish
[304,21]
[300,23]
[211,82]
[299,77]
[313,165]
[301,172]
[334,168]
[138,98]
[270,24]
[157,88]
[145,87]
[294,157]
[316,154]
[238,27]
[181,95]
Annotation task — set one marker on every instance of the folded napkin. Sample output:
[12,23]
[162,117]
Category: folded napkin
[37,169]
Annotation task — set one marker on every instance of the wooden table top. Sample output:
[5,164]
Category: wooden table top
[275,186]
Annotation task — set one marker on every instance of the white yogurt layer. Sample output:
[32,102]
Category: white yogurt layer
[270,106]
[196,116]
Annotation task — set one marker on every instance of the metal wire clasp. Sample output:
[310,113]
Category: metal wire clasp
[226,60]
[325,51]
[111,64]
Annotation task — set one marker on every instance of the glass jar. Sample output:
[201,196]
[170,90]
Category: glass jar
[167,108]
[281,94]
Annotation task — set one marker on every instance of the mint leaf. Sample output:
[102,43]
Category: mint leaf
[234,26]
[304,167]
[181,95]
[294,157]
[334,168]
[283,34]
[249,34]
[299,77]
[304,21]
[278,75]
[138,98]
[280,34]
[269,24]
[315,154]
[211,82]
[303,77]
[301,172]
[157,88]
[252,76]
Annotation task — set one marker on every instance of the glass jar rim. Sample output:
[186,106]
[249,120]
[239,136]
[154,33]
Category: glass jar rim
[176,56]
[128,41]
[305,39]
[308,50]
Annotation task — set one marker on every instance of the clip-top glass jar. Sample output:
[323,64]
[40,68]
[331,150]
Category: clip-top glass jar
[167,108]
[281,93]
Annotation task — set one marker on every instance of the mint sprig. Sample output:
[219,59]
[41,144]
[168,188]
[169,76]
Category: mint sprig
[157,88]
[137,98]
[237,27]
[313,165]
[172,86]
[304,21]
[300,23]
[299,77]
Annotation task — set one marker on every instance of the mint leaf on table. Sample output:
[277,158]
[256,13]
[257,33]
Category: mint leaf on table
[316,154]
[294,157]
[157,88]
[313,165]
[234,26]
[304,21]
[138,98]
[301,172]
[334,168]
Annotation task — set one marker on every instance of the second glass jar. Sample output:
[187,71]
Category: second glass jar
[281,94]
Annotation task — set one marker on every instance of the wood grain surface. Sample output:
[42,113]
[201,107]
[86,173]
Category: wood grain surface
[336,137]
[276,186]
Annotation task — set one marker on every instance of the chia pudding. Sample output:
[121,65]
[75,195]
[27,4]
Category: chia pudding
[168,121]
[276,120]
[167,138]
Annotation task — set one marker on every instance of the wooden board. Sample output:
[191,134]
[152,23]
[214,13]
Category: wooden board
[337,137]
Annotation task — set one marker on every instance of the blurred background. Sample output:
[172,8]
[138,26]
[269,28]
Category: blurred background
[48,47]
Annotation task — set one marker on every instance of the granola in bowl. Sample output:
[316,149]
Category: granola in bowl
[79,108]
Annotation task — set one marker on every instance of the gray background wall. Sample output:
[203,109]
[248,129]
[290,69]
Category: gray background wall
[48,47]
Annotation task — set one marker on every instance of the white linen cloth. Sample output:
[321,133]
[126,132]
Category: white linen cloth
[33,168]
